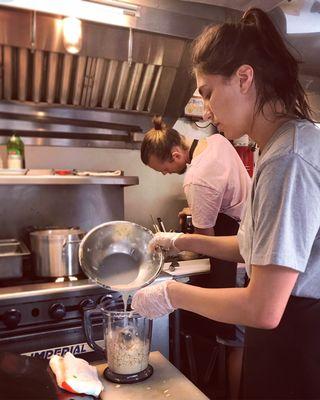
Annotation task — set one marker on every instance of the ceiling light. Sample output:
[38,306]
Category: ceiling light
[72,34]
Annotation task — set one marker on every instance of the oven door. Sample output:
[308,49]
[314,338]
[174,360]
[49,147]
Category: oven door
[45,343]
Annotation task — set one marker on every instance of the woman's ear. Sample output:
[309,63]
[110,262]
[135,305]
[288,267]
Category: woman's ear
[245,75]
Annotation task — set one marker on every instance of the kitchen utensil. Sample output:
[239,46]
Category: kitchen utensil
[116,255]
[127,338]
[154,225]
[55,252]
[11,255]
[161,225]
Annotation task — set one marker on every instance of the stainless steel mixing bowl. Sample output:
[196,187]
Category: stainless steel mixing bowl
[116,255]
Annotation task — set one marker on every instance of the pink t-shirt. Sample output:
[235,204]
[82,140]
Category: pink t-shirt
[215,182]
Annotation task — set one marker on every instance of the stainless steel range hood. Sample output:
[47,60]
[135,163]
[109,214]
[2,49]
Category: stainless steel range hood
[111,89]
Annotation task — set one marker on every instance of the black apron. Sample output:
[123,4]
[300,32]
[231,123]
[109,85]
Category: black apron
[284,363]
[223,274]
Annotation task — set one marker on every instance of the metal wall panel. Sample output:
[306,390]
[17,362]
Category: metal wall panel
[43,205]
[7,72]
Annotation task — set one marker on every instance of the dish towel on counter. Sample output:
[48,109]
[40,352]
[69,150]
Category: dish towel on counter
[76,375]
[101,173]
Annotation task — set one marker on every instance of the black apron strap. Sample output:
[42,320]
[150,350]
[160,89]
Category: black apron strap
[284,363]
[192,149]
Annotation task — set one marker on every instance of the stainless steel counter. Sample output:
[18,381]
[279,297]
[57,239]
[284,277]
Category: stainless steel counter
[167,382]
[67,180]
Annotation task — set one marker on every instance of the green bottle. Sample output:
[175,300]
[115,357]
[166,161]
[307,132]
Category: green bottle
[15,152]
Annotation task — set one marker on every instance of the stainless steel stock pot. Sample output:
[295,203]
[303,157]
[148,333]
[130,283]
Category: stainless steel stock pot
[55,252]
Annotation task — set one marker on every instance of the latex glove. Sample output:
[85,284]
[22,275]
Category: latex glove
[152,301]
[166,241]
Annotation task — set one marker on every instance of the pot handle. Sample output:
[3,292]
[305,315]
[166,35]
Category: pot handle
[87,327]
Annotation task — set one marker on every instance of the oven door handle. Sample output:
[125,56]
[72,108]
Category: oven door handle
[88,315]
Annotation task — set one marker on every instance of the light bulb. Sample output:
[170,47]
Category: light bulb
[72,34]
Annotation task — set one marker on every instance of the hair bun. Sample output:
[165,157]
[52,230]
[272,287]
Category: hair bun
[158,123]
[252,16]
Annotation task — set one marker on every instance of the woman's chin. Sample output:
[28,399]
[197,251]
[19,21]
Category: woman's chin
[231,135]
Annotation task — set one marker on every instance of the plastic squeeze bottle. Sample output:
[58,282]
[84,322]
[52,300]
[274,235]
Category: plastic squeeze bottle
[15,152]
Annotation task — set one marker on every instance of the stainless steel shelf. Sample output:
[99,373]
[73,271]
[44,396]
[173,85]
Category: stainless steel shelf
[68,180]
[43,289]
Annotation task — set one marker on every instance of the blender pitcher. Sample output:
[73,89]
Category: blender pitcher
[127,337]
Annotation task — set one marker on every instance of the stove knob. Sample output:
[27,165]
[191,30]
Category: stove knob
[57,311]
[11,318]
[87,303]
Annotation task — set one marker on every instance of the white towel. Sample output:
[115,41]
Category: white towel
[76,375]
[99,173]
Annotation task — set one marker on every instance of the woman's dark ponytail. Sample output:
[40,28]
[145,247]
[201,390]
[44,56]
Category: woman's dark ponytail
[255,41]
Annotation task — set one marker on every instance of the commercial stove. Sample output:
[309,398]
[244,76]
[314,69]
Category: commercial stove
[42,318]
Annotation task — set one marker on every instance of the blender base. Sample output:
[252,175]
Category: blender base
[128,378]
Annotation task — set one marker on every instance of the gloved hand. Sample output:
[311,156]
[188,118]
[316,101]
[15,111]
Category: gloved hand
[166,241]
[152,301]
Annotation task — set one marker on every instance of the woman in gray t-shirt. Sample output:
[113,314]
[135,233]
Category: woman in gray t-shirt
[249,84]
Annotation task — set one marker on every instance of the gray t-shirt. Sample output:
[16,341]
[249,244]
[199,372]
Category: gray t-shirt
[282,217]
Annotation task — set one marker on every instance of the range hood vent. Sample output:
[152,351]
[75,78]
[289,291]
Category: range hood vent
[64,79]
[110,90]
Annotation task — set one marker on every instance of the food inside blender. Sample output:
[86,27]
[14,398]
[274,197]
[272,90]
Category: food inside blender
[127,352]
